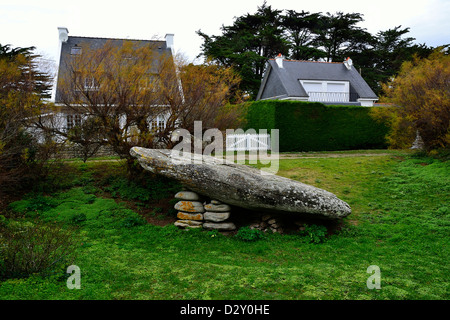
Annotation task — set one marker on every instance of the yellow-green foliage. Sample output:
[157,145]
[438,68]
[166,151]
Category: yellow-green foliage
[421,94]
[401,133]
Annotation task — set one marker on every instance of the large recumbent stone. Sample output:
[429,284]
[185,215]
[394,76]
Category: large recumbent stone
[242,186]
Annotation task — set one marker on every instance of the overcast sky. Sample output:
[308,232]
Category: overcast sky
[26,23]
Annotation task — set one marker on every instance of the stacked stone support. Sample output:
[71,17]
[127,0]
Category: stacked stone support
[190,210]
[192,213]
[217,216]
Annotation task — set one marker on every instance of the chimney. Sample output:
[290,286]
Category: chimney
[169,41]
[279,60]
[63,34]
[348,63]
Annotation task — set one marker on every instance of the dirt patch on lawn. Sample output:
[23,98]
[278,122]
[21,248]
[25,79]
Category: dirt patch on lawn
[157,212]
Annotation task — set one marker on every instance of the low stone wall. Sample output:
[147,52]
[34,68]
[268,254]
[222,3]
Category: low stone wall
[72,151]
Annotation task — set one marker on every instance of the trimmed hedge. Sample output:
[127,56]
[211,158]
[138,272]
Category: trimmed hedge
[313,126]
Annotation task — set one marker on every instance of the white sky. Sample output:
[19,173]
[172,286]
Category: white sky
[26,23]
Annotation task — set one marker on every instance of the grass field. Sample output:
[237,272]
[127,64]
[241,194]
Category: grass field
[127,247]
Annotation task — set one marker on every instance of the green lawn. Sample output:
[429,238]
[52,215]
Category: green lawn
[400,223]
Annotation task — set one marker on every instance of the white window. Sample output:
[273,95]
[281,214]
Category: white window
[73,120]
[154,124]
[313,86]
[337,87]
[158,124]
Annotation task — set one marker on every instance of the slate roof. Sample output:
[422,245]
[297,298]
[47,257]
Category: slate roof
[95,43]
[284,82]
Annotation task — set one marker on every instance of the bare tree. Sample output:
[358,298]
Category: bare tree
[111,94]
[208,93]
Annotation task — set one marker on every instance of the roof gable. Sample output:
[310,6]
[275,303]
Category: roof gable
[272,85]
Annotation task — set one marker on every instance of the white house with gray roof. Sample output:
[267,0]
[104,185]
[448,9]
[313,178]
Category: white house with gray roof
[326,82]
[72,46]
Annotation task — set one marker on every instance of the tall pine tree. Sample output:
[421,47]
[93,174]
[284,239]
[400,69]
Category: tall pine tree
[247,44]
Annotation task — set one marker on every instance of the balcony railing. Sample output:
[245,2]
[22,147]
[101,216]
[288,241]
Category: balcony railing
[333,96]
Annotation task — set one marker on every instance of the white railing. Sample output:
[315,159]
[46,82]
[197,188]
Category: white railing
[247,142]
[331,96]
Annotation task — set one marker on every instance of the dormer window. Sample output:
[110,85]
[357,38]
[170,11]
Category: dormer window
[75,50]
[327,91]
[91,84]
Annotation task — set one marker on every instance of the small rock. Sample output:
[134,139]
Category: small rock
[216,202]
[216,216]
[271,221]
[254,226]
[187,195]
[189,206]
[265,217]
[225,226]
[190,216]
[217,207]
[188,224]
[191,222]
